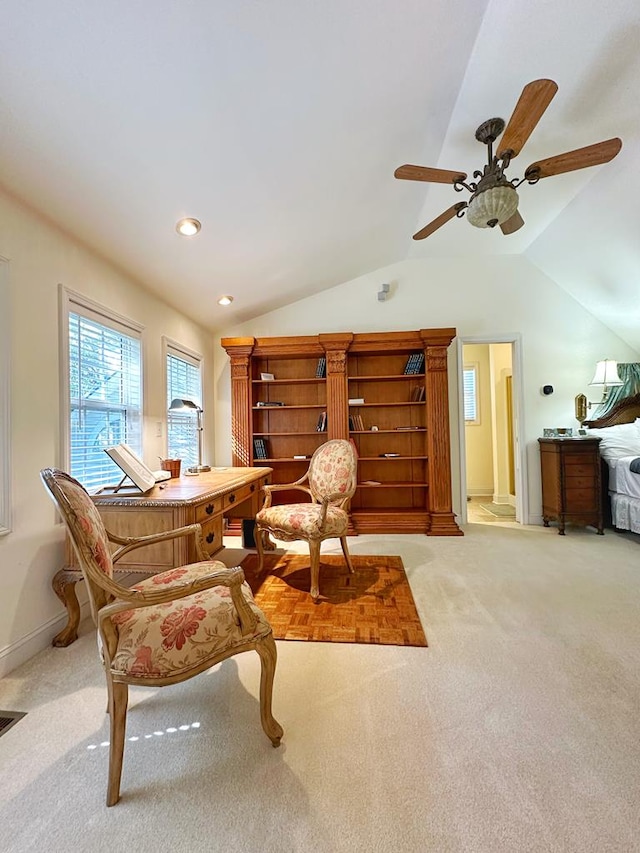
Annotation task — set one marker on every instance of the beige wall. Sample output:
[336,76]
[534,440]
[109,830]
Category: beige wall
[40,257]
[479,437]
[500,355]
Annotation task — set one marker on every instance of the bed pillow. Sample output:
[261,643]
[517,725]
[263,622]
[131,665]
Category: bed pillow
[619,440]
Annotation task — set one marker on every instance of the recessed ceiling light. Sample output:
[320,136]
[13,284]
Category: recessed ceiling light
[225,300]
[188,227]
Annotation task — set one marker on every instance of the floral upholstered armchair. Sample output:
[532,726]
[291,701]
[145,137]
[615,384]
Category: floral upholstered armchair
[167,628]
[332,479]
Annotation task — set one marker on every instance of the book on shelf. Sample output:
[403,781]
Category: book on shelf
[321,369]
[389,455]
[260,448]
[265,404]
[415,363]
[418,394]
[356,401]
[267,377]
[302,456]
[407,428]
[355,423]
[321,426]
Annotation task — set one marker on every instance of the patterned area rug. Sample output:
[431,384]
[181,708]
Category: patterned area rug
[373,605]
[500,510]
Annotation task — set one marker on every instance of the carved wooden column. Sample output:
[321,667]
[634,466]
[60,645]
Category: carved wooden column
[239,350]
[335,347]
[436,342]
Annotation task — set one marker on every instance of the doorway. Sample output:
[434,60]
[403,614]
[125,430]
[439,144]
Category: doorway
[492,470]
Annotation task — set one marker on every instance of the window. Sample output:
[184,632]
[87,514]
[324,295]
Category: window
[470,394]
[5,445]
[184,381]
[104,393]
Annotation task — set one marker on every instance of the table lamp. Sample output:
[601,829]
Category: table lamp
[179,405]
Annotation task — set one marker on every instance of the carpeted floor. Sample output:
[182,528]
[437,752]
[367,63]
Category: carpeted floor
[373,605]
[517,731]
[500,510]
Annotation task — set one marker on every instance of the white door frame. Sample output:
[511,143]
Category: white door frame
[522,485]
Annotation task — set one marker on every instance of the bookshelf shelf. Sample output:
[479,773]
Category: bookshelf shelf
[367,366]
[307,380]
[288,406]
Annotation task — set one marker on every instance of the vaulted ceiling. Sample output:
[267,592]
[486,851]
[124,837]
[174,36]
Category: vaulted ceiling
[279,125]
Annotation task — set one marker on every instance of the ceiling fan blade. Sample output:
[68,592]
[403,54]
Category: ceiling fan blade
[592,155]
[514,223]
[424,173]
[439,221]
[535,98]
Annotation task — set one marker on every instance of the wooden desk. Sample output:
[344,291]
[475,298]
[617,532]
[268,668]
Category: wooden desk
[206,499]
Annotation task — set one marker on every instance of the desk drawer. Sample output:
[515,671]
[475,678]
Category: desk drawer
[212,535]
[207,509]
[239,495]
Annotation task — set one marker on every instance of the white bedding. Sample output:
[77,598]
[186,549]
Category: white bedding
[619,445]
[625,512]
[624,494]
[624,481]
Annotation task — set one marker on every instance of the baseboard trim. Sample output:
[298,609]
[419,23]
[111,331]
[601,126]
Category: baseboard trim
[22,650]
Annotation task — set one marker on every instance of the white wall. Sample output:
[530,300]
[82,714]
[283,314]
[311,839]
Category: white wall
[482,296]
[40,256]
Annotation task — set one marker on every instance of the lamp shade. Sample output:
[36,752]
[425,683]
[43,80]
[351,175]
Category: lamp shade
[606,373]
[492,206]
[178,405]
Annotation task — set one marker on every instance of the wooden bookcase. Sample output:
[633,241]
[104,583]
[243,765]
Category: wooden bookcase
[403,466]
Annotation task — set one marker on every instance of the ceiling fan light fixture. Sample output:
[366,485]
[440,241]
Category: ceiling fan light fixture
[492,206]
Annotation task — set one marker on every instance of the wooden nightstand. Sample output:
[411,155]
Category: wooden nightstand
[571,482]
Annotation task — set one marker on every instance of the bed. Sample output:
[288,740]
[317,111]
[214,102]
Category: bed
[619,431]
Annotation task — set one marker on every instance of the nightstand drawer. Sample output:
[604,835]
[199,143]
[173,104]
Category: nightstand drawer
[585,482]
[578,467]
[580,500]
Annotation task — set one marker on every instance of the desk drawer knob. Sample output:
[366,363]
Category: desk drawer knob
[253,487]
[232,498]
[208,509]
[210,538]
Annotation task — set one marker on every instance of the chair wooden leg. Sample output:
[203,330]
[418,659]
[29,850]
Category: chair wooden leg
[258,534]
[266,648]
[347,555]
[314,551]
[118,699]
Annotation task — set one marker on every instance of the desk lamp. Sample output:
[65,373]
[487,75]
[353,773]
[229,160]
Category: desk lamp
[178,405]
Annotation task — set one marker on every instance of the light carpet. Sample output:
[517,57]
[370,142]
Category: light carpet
[517,731]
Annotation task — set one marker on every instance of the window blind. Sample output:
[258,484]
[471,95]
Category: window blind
[470,393]
[184,382]
[105,391]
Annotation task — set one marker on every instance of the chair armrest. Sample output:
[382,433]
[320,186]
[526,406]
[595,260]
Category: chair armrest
[134,599]
[280,487]
[130,543]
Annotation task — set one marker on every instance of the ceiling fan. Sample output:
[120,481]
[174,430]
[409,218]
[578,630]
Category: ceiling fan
[494,200]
